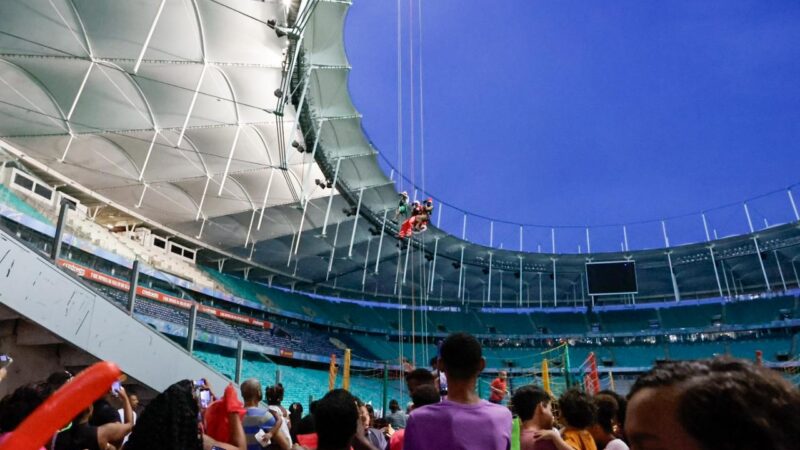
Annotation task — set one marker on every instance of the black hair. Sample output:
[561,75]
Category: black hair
[577,408]
[18,405]
[168,422]
[622,402]
[526,399]
[421,376]
[607,411]
[425,395]
[274,394]
[336,419]
[461,356]
[58,379]
[394,405]
[295,416]
[720,395]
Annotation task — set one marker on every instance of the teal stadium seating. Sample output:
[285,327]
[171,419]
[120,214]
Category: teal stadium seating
[302,384]
[11,199]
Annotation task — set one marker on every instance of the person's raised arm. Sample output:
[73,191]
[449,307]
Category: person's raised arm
[114,433]
[275,434]
[360,440]
[554,436]
[237,437]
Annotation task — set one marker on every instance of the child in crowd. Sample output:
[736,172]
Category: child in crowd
[607,421]
[533,406]
[578,413]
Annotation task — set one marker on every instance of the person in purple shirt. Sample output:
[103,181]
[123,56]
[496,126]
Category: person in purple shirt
[462,421]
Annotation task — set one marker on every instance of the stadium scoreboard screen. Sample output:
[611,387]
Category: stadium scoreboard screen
[611,277]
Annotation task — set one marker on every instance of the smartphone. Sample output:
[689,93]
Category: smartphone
[5,360]
[115,387]
[442,384]
[261,438]
[200,383]
[205,399]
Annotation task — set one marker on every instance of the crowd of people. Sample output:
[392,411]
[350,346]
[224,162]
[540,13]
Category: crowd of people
[719,403]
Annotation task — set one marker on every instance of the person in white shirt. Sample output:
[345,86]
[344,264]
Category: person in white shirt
[274,396]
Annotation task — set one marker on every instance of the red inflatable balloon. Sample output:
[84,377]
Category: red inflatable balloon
[62,406]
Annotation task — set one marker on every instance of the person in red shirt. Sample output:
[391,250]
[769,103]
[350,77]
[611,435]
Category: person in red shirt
[499,388]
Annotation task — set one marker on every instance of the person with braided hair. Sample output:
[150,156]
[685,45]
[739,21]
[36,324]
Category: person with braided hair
[172,421]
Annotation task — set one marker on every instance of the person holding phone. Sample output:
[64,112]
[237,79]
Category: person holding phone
[172,420]
[81,435]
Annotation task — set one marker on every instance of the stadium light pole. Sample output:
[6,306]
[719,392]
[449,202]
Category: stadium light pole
[333,250]
[625,237]
[725,277]
[520,280]
[555,283]
[705,227]
[780,270]
[672,277]
[501,287]
[489,284]
[460,275]
[491,245]
[541,295]
[380,242]
[716,272]
[794,205]
[366,262]
[405,264]
[588,242]
[794,269]
[397,272]
[758,249]
[433,263]
[711,251]
[555,276]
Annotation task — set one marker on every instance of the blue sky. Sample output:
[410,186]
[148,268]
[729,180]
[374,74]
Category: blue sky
[573,113]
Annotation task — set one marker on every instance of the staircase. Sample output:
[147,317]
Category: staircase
[50,308]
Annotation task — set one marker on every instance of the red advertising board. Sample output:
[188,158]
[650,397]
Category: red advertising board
[122,285]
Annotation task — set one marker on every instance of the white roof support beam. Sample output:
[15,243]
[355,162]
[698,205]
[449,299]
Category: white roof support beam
[355,222]
[380,241]
[202,198]
[149,36]
[80,90]
[192,103]
[330,197]
[333,250]
[230,158]
[266,196]
[147,157]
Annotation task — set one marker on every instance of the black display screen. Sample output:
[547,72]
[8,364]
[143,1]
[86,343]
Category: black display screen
[617,277]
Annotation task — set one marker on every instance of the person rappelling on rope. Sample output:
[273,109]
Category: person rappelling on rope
[402,208]
[418,222]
